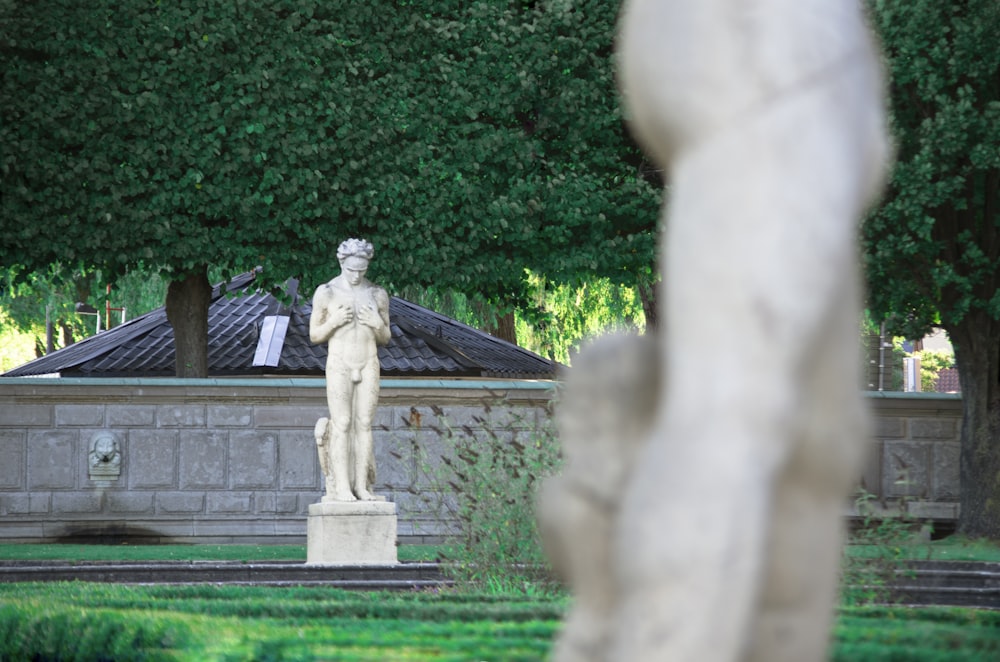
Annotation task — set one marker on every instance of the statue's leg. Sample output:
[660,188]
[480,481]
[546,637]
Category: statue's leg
[750,268]
[365,404]
[579,533]
[767,118]
[799,594]
[605,412]
[322,435]
[339,388]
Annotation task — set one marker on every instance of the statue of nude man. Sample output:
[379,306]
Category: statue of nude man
[351,315]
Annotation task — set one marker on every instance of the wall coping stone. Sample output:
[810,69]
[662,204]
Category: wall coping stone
[919,405]
[30,383]
[386,383]
[903,395]
[263,391]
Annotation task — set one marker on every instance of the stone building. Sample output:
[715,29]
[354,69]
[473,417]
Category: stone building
[232,457]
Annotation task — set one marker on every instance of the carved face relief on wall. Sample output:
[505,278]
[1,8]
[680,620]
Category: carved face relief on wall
[105,459]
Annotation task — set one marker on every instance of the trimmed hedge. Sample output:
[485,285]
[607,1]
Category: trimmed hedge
[210,622]
[60,632]
[931,634]
[91,622]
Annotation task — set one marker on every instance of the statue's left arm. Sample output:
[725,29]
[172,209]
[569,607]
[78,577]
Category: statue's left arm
[382,332]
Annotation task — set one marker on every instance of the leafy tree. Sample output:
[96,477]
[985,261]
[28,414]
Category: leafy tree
[933,247]
[467,140]
[931,363]
[16,346]
[42,304]
[138,291]
[564,316]
[558,316]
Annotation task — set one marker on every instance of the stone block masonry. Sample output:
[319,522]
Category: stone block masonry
[914,456]
[235,460]
[217,460]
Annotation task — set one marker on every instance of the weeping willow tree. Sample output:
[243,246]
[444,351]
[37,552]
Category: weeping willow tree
[557,318]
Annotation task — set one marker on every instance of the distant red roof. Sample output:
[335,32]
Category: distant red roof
[947,381]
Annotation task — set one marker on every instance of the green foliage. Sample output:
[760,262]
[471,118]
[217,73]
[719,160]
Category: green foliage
[931,363]
[138,291]
[30,300]
[556,318]
[932,246]
[886,536]
[16,346]
[562,316]
[932,249]
[467,140]
[483,483]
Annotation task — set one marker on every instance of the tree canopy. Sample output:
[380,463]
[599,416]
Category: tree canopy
[933,247]
[467,140]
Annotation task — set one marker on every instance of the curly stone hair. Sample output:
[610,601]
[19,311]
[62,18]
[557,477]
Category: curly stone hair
[355,248]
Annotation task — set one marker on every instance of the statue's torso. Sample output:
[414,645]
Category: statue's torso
[352,345]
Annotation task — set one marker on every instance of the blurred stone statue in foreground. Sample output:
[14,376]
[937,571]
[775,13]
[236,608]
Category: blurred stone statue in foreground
[715,534]
[351,315]
[607,403]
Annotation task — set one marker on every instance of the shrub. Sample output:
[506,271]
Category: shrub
[484,480]
[869,578]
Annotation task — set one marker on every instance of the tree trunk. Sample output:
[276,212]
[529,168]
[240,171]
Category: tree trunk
[977,355]
[187,312]
[50,337]
[647,294]
[503,328]
[67,334]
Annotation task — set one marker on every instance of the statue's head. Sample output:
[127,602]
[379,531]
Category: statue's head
[356,248]
[354,256]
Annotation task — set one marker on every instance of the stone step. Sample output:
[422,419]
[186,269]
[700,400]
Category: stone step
[963,596]
[951,583]
[400,576]
[949,578]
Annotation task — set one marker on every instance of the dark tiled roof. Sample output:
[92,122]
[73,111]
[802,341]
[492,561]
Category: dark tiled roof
[423,344]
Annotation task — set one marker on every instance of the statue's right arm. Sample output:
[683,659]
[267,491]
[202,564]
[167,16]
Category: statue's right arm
[320,328]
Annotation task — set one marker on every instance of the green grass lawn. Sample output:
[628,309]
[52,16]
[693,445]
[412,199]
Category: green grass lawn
[244,553]
[952,548]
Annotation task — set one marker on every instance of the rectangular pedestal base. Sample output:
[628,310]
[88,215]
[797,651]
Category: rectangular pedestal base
[351,533]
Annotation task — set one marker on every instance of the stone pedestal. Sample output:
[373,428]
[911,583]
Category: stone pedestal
[351,533]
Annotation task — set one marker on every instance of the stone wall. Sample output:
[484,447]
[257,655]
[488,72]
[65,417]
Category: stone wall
[216,460]
[235,460]
[914,457]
